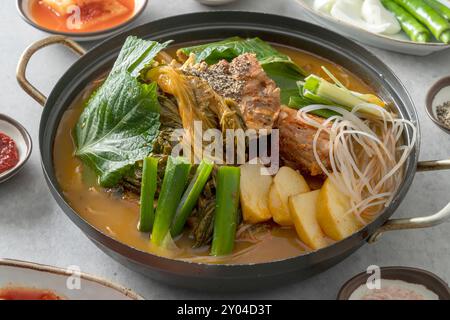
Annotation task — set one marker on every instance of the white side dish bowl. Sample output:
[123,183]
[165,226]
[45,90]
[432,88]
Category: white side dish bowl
[35,276]
[23,6]
[395,290]
[23,141]
[397,42]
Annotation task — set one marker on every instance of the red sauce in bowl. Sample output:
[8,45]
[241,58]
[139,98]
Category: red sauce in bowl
[27,294]
[9,156]
[80,16]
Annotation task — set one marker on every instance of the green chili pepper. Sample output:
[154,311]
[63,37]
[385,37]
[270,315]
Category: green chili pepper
[439,7]
[437,24]
[413,28]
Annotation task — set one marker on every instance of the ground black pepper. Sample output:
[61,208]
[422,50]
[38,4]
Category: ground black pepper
[443,113]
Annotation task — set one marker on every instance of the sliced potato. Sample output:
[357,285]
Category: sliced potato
[275,204]
[303,208]
[254,193]
[287,182]
[333,213]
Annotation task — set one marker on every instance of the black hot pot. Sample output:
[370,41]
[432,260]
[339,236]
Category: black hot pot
[212,26]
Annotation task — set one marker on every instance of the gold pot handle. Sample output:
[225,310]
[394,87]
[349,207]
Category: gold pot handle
[30,51]
[419,222]
[433,165]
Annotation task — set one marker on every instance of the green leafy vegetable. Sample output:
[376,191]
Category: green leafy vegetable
[136,54]
[277,65]
[117,127]
[121,118]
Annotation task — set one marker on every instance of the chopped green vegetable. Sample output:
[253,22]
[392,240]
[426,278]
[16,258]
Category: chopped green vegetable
[121,119]
[190,196]
[203,229]
[298,102]
[226,214]
[313,97]
[318,91]
[278,66]
[203,224]
[301,102]
[339,96]
[148,189]
[330,92]
[175,178]
[307,98]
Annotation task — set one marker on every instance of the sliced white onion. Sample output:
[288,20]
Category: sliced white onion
[374,13]
[368,16]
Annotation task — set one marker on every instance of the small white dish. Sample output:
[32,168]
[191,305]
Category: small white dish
[23,141]
[23,6]
[397,43]
[438,94]
[21,274]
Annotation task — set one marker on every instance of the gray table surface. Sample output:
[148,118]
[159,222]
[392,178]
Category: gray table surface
[33,228]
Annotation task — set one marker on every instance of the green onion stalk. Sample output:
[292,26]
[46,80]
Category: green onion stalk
[226,214]
[175,179]
[190,196]
[148,190]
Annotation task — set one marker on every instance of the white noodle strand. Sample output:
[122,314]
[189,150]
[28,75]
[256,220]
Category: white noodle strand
[366,154]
